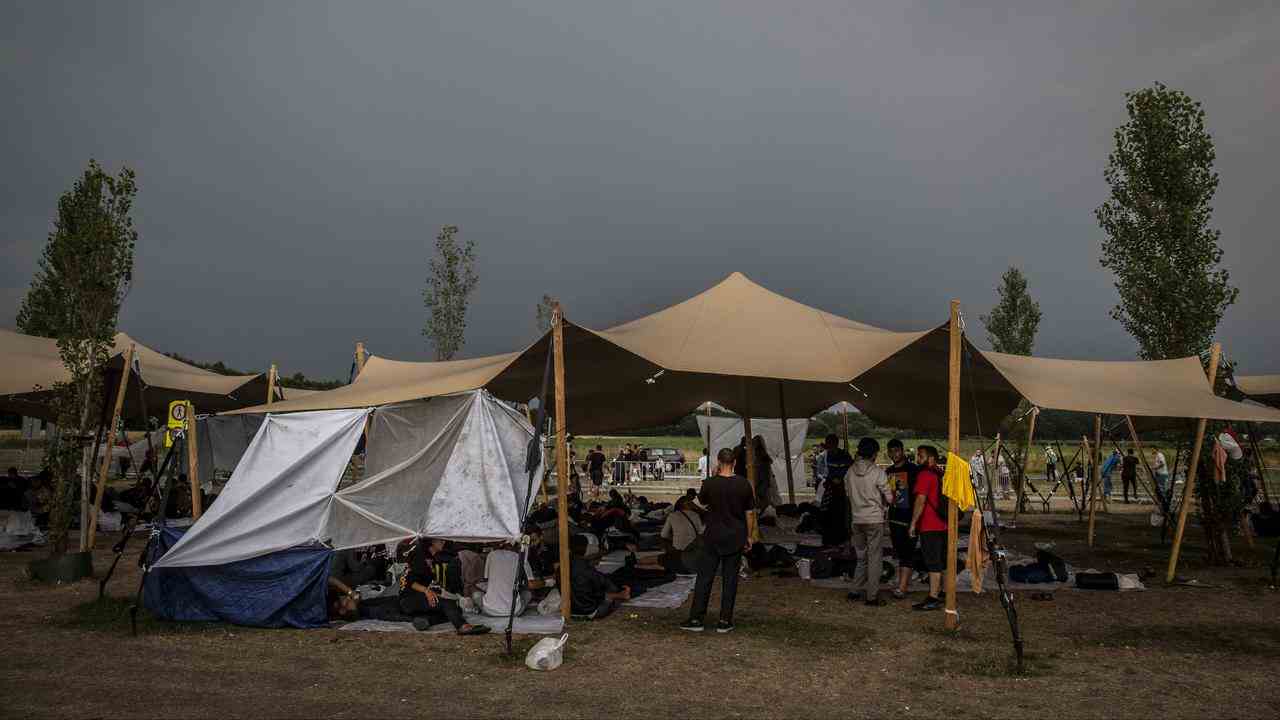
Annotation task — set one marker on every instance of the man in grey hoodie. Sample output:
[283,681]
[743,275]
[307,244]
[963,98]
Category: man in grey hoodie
[867,487]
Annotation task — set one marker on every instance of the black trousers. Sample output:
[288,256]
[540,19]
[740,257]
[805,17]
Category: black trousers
[415,604]
[1129,482]
[708,564]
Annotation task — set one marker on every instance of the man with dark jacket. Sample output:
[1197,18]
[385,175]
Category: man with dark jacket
[591,593]
[727,534]
[430,587]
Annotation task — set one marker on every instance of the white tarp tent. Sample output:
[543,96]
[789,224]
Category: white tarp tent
[726,432]
[450,467]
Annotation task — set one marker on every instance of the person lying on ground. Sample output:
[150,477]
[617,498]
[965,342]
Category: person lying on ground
[928,524]
[592,594]
[429,589]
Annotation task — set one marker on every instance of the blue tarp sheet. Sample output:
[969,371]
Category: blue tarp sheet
[282,589]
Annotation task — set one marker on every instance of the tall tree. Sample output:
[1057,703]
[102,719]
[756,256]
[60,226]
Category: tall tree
[1158,240]
[450,282]
[543,314]
[1013,322]
[75,297]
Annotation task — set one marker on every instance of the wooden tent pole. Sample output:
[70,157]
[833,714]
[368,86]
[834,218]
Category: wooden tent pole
[753,520]
[562,461]
[845,410]
[193,463]
[105,468]
[361,358]
[1095,477]
[951,619]
[271,384]
[711,456]
[1189,489]
[786,444]
[1021,495]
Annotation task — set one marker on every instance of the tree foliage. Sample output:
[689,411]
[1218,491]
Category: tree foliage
[543,314]
[1013,322]
[450,281]
[75,297]
[1158,240]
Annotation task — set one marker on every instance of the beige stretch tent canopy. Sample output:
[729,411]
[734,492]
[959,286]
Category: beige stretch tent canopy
[736,344]
[1154,389]
[1260,388]
[30,366]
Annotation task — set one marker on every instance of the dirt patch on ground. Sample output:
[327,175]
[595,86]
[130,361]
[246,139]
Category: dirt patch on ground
[798,651]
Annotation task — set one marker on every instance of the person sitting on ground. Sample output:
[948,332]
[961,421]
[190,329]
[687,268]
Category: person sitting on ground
[500,569]
[681,528]
[425,590]
[928,524]
[592,594]
[867,487]
[902,473]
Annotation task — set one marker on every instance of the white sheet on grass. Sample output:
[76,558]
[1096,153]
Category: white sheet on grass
[451,467]
[530,623]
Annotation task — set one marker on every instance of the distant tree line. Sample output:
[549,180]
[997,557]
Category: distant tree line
[296,380]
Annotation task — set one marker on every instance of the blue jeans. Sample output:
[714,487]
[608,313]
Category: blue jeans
[1106,484]
[1162,483]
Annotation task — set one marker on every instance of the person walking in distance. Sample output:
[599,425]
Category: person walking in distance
[1129,475]
[595,468]
[727,534]
[866,485]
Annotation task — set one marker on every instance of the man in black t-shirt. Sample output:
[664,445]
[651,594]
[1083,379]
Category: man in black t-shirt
[430,587]
[591,593]
[902,478]
[595,465]
[1129,475]
[834,506]
[726,535]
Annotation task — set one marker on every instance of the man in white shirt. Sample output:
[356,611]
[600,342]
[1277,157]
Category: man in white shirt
[500,577]
[703,464]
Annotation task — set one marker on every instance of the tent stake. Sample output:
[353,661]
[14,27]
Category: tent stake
[786,444]
[562,462]
[951,619]
[105,469]
[1026,458]
[1188,490]
[1095,477]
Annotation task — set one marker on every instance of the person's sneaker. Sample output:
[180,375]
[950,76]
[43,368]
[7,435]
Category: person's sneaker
[875,602]
[853,596]
[898,594]
[724,626]
[929,603]
[692,625]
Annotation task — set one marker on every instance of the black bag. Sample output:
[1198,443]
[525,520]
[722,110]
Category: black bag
[1097,581]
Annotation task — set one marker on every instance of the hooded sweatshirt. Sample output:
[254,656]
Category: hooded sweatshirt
[866,484]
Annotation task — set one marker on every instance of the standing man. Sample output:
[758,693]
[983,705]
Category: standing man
[1050,465]
[834,506]
[726,536]
[704,462]
[1129,475]
[1161,468]
[902,477]
[595,469]
[929,524]
[866,485]
[1108,467]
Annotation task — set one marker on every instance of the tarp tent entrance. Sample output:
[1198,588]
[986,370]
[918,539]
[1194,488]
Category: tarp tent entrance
[450,467]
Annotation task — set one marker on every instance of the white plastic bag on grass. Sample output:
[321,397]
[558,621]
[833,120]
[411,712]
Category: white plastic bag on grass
[550,604]
[547,653]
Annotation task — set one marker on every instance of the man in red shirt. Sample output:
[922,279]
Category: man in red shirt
[928,523]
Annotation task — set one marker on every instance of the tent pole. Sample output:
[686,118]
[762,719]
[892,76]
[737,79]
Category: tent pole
[105,469]
[753,520]
[1095,477]
[193,463]
[1026,459]
[361,358]
[1189,490]
[562,461]
[711,457]
[951,618]
[786,444]
[1137,446]
[271,384]
[845,412]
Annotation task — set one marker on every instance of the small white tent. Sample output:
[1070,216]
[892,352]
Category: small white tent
[451,467]
[726,432]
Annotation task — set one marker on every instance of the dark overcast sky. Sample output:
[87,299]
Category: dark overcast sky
[295,160]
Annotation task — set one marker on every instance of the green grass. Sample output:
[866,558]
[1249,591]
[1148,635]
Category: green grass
[111,615]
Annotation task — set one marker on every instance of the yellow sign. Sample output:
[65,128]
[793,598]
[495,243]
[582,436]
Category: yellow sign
[177,421]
